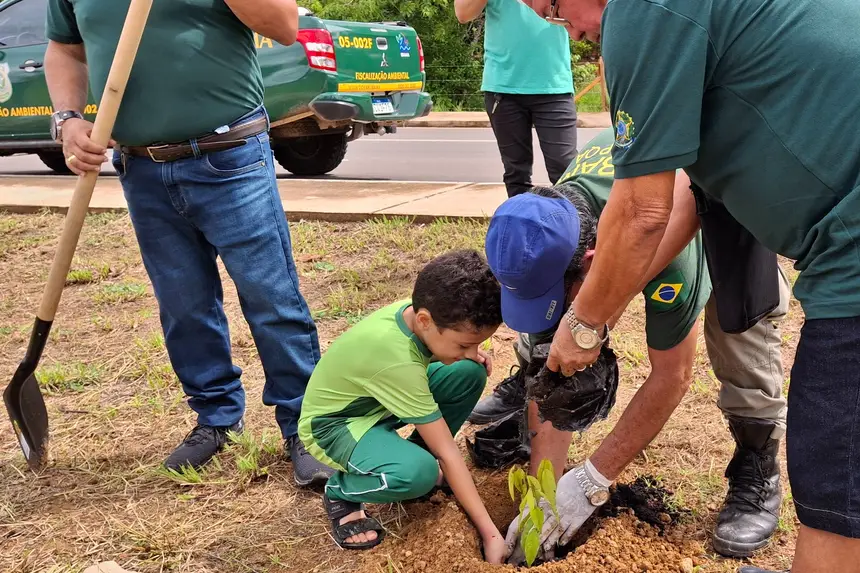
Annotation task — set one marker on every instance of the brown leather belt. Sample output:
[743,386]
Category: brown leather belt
[214,142]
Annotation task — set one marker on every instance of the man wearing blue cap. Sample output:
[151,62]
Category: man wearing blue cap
[540,246]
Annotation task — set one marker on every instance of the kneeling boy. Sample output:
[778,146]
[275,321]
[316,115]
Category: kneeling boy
[417,362]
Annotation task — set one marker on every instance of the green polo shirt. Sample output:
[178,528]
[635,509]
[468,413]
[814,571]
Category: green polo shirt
[375,370]
[196,68]
[757,102]
[676,296]
[523,53]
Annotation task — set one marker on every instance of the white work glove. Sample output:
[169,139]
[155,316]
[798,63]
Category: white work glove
[574,509]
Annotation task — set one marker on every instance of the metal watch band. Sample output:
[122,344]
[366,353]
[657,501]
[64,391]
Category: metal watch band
[596,494]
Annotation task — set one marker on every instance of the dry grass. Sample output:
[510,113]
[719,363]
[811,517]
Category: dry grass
[117,410]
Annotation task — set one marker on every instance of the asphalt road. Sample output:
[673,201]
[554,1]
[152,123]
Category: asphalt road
[411,154]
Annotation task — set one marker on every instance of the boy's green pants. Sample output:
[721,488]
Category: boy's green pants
[386,468]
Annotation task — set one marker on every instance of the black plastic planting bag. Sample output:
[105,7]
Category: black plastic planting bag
[572,403]
[501,443]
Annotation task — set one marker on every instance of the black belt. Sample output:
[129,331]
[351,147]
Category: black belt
[215,142]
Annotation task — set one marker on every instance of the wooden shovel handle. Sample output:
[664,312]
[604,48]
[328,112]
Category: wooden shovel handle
[126,50]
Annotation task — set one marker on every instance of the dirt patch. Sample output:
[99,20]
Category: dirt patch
[637,530]
[117,410]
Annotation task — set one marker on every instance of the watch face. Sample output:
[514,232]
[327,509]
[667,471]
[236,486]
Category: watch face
[585,339]
[600,497]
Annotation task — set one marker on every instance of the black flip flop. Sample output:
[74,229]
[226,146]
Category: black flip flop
[337,509]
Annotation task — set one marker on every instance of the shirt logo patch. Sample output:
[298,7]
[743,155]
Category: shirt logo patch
[667,293]
[624,130]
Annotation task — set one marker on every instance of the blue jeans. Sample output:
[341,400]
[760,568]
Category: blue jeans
[186,213]
[823,439]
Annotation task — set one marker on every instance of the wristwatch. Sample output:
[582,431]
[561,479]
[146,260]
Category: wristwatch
[585,336]
[58,119]
[597,495]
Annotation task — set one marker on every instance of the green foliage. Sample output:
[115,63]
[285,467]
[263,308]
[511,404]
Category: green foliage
[531,490]
[453,52]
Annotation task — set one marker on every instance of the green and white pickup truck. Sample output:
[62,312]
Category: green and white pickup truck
[336,83]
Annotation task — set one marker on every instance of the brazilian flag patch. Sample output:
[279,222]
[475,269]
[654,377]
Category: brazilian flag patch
[668,290]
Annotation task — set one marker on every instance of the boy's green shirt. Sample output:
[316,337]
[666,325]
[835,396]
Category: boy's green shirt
[373,371]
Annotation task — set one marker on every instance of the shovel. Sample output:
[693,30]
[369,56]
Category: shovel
[22,397]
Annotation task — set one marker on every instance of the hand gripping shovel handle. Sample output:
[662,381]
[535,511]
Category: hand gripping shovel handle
[126,51]
[22,397]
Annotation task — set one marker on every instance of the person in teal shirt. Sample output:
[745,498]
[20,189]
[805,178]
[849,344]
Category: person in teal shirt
[527,82]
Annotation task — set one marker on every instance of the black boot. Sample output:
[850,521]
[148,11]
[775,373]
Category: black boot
[508,397]
[751,511]
[198,447]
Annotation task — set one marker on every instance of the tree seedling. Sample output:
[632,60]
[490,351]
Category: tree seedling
[531,490]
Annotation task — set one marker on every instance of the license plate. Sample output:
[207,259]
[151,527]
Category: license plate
[382,105]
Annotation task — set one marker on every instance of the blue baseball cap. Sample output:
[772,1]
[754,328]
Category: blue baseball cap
[530,243]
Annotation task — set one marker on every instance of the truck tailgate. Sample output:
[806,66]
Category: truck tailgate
[376,58]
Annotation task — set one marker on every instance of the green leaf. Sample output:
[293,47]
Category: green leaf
[516,481]
[531,544]
[546,476]
[526,525]
[534,484]
[324,266]
[528,501]
[536,516]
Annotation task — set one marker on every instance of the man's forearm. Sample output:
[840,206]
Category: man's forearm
[468,10]
[66,76]
[275,19]
[680,230]
[650,408]
[628,236]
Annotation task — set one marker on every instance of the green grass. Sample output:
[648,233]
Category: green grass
[120,293]
[59,378]
[86,275]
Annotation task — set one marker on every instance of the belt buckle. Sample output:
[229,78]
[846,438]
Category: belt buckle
[149,151]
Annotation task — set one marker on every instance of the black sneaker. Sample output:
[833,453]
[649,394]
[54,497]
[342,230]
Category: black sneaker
[306,468]
[201,443]
[508,397]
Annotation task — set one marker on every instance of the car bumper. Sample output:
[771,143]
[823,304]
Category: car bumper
[358,107]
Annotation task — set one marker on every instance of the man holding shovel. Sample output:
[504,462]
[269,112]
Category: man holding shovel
[725,91]
[193,157]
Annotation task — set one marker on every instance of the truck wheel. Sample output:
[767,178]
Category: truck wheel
[314,155]
[56,161]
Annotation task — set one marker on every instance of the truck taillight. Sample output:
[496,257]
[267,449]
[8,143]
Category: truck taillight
[420,53]
[319,48]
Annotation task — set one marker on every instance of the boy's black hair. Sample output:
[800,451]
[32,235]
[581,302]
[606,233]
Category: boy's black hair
[459,290]
[587,225]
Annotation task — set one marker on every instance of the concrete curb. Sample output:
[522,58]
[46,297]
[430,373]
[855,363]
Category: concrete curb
[585,120]
[308,200]
[293,216]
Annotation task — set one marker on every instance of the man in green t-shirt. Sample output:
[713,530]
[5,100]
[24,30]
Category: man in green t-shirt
[523,240]
[756,101]
[415,361]
[527,82]
[194,194]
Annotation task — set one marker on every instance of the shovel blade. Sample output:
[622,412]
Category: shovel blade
[29,417]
